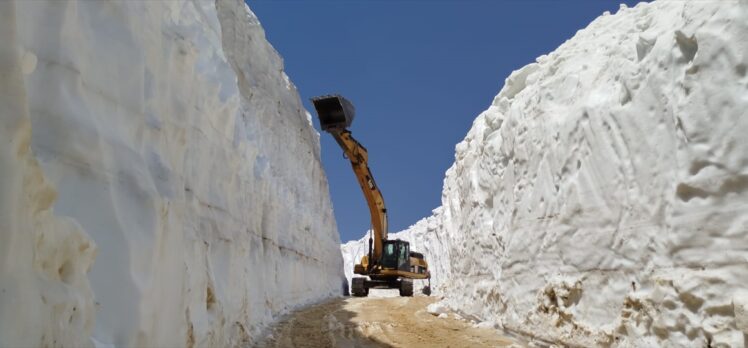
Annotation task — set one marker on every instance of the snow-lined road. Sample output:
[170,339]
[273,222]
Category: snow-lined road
[378,322]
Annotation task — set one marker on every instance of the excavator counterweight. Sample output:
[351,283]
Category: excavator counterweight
[389,263]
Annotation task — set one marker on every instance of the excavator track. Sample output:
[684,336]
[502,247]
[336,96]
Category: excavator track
[358,287]
[406,287]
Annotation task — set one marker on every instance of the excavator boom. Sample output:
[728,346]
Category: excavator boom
[359,158]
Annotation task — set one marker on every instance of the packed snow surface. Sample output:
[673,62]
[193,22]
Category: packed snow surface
[160,181]
[602,199]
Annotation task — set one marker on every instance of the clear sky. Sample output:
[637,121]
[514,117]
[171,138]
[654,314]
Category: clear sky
[418,73]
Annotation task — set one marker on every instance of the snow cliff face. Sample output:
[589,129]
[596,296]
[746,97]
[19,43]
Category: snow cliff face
[602,199]
[160,181]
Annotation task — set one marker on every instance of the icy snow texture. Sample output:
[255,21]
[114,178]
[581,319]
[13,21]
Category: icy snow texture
[159,145]
[602,199]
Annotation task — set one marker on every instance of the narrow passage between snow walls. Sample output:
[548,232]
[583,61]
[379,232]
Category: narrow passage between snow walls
[602,198]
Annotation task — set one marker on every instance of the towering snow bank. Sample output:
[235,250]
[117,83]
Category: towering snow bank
[160,181]
[602,199]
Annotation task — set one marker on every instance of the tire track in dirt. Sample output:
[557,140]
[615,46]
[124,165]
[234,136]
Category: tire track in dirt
[378,322]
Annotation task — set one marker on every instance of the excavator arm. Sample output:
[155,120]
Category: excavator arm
[336,115]
[359,158]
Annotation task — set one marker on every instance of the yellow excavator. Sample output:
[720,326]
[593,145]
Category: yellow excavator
[390,264]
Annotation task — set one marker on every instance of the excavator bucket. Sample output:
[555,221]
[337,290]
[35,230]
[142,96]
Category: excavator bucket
[335,112]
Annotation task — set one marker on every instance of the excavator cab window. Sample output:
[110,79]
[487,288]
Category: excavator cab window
[403,261]
[389,255]
[396,255]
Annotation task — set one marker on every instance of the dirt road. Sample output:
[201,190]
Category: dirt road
[378,322]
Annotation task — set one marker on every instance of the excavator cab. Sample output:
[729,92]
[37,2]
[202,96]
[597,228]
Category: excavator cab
[335,112]
[396,255]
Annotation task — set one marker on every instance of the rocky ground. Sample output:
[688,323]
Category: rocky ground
[379,322]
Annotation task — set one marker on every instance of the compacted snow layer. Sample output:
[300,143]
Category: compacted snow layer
[160,181]
[602,199]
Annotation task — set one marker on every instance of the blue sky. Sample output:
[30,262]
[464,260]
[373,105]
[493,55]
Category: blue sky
[418,73]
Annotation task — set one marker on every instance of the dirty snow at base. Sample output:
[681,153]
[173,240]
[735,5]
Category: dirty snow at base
[150,186]
[602,199]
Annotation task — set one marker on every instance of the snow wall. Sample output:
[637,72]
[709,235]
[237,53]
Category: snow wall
[160,181]
[602,199]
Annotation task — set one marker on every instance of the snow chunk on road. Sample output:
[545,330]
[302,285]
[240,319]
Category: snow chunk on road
[437,308]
